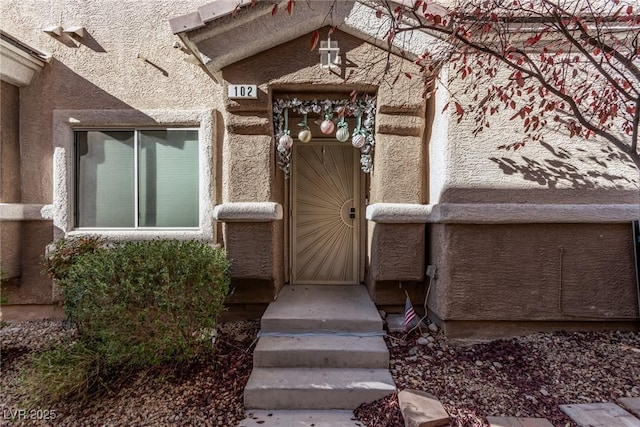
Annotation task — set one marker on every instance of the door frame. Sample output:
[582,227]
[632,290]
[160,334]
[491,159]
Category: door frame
[359,191]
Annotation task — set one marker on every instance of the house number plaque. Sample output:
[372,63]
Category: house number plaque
[243,92]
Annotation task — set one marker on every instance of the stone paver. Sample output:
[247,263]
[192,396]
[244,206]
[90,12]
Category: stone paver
[600,415]
[518,422]
[421,409]
[632,404]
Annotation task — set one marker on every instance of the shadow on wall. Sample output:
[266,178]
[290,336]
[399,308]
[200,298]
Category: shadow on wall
[559,171]
[56,87]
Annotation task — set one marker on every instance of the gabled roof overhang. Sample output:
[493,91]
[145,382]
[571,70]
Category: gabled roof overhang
[20,62]
[224,32]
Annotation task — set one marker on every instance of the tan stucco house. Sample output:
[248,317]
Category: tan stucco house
[182,119]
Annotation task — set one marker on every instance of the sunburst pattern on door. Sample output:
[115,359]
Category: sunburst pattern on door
[325,228]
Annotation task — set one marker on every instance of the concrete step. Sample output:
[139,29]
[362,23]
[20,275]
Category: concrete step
[313,309]
[315,388]
[329,418]
[321,351]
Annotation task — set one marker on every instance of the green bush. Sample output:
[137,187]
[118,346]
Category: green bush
[140,304]
[65,251]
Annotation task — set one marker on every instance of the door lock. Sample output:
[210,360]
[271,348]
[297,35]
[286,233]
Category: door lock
[352,213]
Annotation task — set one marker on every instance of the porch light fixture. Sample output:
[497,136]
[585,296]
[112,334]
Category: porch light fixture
[329,53]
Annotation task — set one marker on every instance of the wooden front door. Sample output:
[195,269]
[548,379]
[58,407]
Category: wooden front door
[325,219]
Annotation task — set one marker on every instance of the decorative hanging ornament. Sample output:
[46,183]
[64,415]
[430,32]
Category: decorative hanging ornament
[305,134]
[343,130]
[285,142]
[327,126]
[359,135]
[358,140]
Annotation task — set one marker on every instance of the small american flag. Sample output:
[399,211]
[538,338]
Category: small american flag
[409,313]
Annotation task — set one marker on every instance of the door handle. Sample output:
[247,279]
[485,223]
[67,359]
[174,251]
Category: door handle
[352,213]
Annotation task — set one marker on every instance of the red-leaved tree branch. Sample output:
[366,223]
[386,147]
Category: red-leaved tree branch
[572,64]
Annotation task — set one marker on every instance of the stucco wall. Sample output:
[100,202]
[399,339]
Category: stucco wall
[10,144]
[556,170]
[525,272]
[99,71]
[125,61]
[10,231]
[250,172]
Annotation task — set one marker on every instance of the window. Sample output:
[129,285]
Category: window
[136,179]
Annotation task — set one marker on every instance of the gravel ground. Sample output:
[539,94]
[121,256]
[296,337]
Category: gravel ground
[205,395]
[524,377]
[528,376]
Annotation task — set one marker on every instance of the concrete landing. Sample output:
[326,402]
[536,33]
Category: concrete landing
[320,309]
[334,418]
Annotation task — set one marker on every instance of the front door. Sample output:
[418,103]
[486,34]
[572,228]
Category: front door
[325,203]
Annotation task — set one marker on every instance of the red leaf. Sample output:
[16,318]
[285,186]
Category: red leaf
[290,5]
[378,13]
[459,109]
[533,40]
[392,34]
[274,10]
[407,75]
[437,19]
[314,40]
[629,10]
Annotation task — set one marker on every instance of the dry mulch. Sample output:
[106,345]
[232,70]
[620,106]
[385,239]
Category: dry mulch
[528,376]
[522,377]
[206,394]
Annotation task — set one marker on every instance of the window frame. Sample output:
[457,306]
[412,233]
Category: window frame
[136,176]
[67,122]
